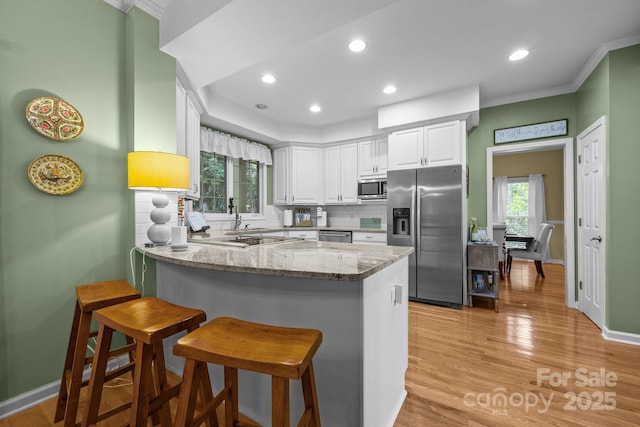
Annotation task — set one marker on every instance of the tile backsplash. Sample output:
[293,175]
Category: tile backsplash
[344,216]
[349,215]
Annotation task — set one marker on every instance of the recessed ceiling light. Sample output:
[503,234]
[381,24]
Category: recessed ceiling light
[261,106]
[389,89]
[357,45]
[268,78]
[315,108]
[518,54]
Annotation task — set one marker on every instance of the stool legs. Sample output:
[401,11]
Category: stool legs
[71,381]
[196,378]
[280,401]
[231,402]
[98,368]
[310,398]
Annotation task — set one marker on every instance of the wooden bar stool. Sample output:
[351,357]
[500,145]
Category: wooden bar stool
[147,320]
[89,297]
[283,353]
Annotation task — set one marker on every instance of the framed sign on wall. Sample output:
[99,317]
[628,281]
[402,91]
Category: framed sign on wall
[533,131]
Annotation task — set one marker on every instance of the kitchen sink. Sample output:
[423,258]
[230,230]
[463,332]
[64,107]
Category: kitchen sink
[239,241]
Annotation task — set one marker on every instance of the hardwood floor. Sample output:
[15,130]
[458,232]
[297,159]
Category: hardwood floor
[475,367]
[464,363]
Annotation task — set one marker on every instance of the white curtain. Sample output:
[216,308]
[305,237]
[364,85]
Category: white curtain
[224,144]
[537,208]
[500,199]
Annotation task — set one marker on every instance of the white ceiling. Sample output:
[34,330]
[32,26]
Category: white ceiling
[422,46]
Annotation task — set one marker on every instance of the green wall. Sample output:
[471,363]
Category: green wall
[76,50]
[612,90]
[481,137]
[623,191]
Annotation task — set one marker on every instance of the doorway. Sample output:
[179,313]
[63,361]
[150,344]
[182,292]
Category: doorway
[566,145]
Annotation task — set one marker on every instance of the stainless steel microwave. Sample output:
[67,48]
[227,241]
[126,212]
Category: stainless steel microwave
[369,189]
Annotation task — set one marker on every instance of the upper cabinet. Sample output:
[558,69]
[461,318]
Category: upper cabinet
[296,175]
[341,174]
[373,160]
[188,137]
[428,146]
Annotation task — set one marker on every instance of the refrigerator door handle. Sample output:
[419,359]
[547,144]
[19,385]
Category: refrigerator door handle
[416,221]
[415,218]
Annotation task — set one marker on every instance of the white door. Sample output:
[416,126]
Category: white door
[280,176]
[366,158]
[442,144]
[591,221]
[332,175]
[349,173]
[305,171]
[382,156]
[405,149]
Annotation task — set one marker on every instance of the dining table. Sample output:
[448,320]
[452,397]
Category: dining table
[513,237]
[516,238]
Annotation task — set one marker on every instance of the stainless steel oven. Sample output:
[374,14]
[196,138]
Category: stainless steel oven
[369,189]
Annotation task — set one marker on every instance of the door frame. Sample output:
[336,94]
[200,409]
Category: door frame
[566,145]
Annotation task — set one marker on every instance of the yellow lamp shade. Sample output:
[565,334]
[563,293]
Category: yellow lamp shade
[165,171]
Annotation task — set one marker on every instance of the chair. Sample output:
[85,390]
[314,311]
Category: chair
[536,250]
[282,352]
[89,297]
[148,321]
[499,236]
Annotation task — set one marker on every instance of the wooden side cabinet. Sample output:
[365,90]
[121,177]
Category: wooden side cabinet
[483,273]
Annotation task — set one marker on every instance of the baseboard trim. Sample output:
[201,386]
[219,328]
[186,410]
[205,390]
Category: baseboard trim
[622,337]
[36,396]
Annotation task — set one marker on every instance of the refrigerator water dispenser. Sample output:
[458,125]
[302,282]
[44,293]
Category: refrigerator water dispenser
[401,223]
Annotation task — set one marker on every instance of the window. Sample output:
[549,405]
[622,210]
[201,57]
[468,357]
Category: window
[222,177]
[517,218]
[246,186]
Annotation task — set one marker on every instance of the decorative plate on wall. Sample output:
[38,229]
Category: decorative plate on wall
[54,118]
[55,174]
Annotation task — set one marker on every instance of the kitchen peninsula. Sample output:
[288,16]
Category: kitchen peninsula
[355,294]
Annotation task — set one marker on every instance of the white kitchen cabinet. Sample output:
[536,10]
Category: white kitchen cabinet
[296,175]
[365,237]
[306,235]
[341,174]
[188,138]
[428,146]
[373,160]
[280,176]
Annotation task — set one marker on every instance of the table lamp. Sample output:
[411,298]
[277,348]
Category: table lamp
[163,172]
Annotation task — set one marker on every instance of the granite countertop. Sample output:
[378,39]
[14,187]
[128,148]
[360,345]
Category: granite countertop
[273,229]
[292,258]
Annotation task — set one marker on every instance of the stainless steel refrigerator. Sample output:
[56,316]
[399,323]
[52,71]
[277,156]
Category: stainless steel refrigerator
[424,210]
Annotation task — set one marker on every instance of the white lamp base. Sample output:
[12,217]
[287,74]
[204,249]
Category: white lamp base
[160,232]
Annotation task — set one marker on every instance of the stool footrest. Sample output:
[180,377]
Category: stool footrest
[113,411]
[119,371]
[211,406]
[157,402]
[306,417]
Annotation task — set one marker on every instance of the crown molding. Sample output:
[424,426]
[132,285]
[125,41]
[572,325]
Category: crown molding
[149,6]
[599,54]
[601,51]
[123,5]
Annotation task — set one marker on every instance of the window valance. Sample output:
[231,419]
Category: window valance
[228,145]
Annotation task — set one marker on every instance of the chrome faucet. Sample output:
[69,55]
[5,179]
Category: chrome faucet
[238,217]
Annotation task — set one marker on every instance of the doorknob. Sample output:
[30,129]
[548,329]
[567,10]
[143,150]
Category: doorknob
[598,238]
